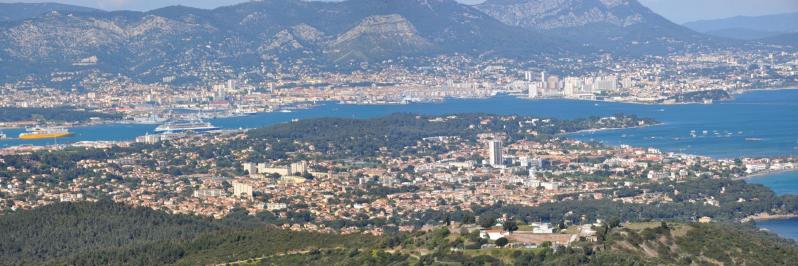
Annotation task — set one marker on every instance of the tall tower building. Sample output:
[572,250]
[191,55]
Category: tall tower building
[528,76]
[242,190]
[533,89]
[495,150]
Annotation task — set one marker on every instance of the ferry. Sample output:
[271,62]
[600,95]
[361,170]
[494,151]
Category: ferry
[44,133]
[184,126]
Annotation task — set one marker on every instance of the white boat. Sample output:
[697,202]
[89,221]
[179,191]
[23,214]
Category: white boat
[184,126]
[246,111]
[3,135]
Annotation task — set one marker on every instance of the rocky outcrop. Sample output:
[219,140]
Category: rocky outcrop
[554,14]
[391,30]
[614,25]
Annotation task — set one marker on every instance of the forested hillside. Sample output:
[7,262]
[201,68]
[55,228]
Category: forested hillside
[396,132]
[107,233]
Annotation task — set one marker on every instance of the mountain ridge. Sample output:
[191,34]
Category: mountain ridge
[762,28]
[334,35]
[601,23]
[785,22]
[129,41]
[22,11]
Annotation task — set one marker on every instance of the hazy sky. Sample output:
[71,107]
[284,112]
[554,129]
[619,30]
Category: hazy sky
[677,10]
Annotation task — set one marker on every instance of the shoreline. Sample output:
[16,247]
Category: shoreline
[765,173]
[607,129]
[792,87]
[443,100]
[769,217]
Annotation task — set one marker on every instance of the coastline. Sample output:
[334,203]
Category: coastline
[768,217]
[789,88]
[607,129]
[765,173]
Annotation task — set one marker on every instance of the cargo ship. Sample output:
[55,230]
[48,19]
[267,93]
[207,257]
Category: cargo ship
[45,133]
[184,126]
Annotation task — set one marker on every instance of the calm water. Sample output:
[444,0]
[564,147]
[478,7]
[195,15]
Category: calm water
[754,124]
[786,228]
[761,123]
[784,183]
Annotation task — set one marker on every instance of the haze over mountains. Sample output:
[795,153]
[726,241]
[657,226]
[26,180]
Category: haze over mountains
[20,11]
[748,28]
[328,34]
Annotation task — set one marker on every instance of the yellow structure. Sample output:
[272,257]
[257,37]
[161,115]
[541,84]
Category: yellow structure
[39,133]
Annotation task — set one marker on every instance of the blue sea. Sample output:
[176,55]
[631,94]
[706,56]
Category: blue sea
[761,123]
[787,228]
[784,183]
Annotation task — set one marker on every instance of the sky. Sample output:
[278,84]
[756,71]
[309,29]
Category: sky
[679,11]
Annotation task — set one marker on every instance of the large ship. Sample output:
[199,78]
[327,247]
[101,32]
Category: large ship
[183,126]
[45,133]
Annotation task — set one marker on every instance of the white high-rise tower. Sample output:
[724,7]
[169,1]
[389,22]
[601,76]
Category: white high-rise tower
[495,150]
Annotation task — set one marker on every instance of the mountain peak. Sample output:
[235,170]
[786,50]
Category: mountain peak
[553,14]
[620,25]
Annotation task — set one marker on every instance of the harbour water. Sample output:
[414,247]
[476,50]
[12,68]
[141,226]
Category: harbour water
[762,123]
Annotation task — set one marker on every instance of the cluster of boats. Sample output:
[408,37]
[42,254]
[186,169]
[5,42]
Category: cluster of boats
[174,127]
[695,134]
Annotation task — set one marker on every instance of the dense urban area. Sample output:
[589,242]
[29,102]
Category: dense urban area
[512,180]
[165,186]
[216,92]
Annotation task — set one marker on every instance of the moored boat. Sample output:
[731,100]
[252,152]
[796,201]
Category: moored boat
[184,126]
[44,133]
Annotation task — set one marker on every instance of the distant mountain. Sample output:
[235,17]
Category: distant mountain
[20,11]
[743,34]
[332,35]
[248,34]
[748,28]
[624,25]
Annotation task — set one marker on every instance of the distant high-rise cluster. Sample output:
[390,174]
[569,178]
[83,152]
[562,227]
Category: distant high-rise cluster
[555,86]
